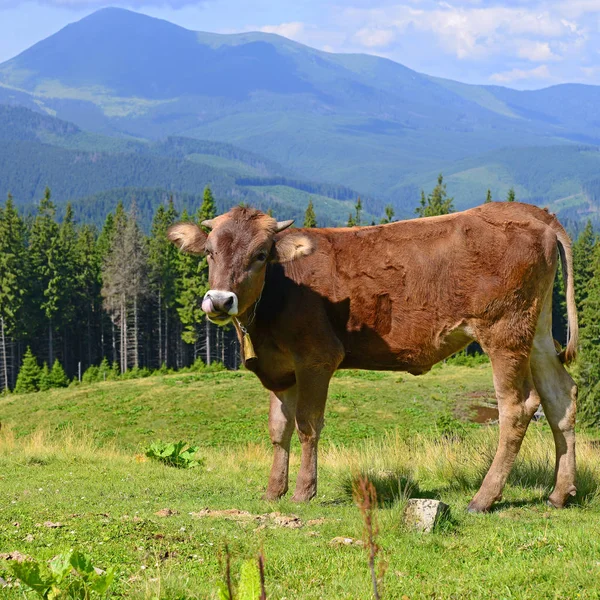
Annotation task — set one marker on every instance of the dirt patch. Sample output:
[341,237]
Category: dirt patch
[166,512]
[14,556]
[483,414]
[275,519]
[346,541]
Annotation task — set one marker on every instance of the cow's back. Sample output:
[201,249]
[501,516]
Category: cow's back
[407,294]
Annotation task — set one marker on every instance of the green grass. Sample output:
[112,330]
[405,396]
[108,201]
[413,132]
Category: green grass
[223,408]
[60,462]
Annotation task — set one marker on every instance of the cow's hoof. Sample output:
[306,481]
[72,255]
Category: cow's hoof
[559,500]
[475,509]
[272,496]
[302,497]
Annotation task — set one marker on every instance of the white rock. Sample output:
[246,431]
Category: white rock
[423,514]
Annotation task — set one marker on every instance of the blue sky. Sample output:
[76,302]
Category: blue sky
[517,43]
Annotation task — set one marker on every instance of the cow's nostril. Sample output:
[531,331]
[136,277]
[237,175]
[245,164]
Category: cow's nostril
[228,303]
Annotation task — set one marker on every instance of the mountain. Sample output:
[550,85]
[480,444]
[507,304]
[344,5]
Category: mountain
[361,121]
[95,172]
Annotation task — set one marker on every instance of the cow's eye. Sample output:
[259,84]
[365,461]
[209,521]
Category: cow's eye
[261,256]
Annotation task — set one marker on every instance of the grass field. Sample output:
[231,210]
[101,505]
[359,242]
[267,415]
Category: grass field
[74,458]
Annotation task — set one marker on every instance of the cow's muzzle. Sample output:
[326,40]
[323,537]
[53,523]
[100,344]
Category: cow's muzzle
[220,306]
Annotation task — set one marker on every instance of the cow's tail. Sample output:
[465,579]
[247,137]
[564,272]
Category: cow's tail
[569,354]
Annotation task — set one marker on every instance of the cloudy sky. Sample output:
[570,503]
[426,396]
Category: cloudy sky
[517,43]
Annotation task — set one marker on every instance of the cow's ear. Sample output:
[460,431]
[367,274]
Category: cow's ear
[188,237]
[292,246]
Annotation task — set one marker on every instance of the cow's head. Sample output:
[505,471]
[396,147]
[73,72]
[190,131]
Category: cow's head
[238,248]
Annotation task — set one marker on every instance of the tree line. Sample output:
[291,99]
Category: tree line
[74,295]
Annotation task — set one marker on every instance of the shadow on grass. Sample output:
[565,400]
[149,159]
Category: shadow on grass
[540,474]
[390,486]
[536,474]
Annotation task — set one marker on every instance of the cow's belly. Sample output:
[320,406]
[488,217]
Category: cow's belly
[365,349]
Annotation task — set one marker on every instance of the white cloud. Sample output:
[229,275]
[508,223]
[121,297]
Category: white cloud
[375,37]
[541,72]
[536,51]
[293,30]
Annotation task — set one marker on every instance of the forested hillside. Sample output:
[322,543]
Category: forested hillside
[96,172]
[356,120]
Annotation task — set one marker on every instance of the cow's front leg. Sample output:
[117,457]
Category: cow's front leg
[282,414]
[312,395]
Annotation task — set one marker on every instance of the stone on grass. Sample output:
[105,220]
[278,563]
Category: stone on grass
[423,514]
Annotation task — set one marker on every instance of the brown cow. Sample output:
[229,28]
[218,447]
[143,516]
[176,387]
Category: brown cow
[397,297]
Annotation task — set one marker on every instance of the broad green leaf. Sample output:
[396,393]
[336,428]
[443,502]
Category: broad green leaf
[82,564]
[104,581]
[60,566]
[29,572]
[223,592]
[249,588]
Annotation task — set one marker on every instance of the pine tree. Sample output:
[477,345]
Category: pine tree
[87,290]
[437,203]
[162,260]
[511,197]
[13,285]
[389,215]
[310,219]
[68,268]
[588,363]
[488,198]
[190,290]
[208,208]
[583,250]
[46,265]
[358,208]
[58,377]
[28,379]
[124,276]
[44,383]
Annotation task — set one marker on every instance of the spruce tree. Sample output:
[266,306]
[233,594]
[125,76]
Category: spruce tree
[389,215]
[87,290]
[588,363]
[583,251]
[190,290]
[45,382]
[58,377]
[488,198]
[358,207]
[208,208]
[14,284]
[162,260]
[46,259]
[28,379]
[511,197]
[437,203]
[310,219]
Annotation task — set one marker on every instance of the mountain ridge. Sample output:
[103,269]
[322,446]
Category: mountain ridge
[358,120]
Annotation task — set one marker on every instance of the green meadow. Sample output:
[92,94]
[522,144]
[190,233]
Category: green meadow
[73,475]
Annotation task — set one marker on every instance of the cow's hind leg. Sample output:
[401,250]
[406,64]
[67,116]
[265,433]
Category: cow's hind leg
[282,416]
[517,402]
[559,395]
